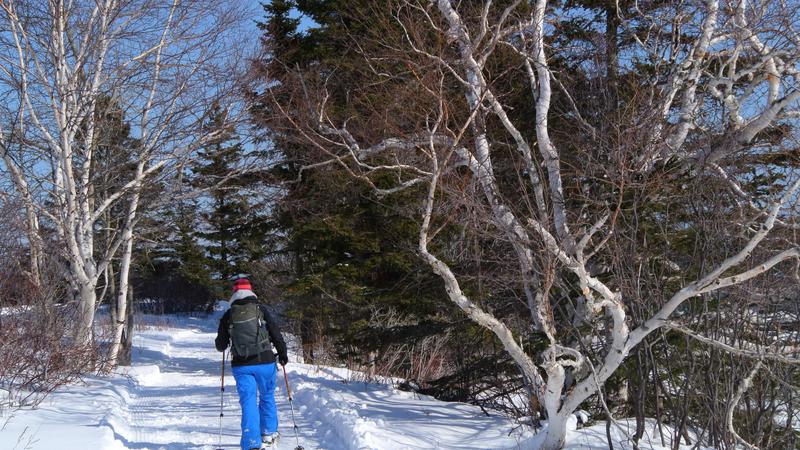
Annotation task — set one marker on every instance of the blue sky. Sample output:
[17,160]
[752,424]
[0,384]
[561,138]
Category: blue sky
[258,15]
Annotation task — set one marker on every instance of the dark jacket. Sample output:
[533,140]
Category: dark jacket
[224,338]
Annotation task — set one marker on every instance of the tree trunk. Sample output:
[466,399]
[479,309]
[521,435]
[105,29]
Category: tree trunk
[556,432]
[307,339]
[122,299]
[123,288]
[126,346]
[639,400]
[32,220]
[87,300]
[36,247]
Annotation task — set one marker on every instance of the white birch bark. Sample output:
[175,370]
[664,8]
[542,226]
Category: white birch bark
[31,216]
[745,384]
[66,60]
[122,300]
[678,106]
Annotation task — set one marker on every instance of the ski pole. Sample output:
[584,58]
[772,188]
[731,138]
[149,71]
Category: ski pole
[221,397]
[291,405]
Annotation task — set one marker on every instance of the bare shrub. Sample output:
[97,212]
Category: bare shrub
[415,359]
[37,354]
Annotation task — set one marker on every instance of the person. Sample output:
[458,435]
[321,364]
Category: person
[251,331]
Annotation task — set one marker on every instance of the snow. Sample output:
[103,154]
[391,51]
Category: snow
[169,399]
[10,310]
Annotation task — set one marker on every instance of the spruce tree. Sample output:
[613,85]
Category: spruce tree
[224,208]
[232,228]
[352,254]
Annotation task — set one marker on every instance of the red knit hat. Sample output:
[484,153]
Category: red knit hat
[242,283]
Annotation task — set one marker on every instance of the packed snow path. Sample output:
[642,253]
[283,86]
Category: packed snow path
[175,401]
[170,400]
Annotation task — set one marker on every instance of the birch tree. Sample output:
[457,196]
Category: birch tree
[723,84]
[161,64]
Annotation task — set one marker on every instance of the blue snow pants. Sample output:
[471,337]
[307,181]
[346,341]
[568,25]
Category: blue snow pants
[256,387]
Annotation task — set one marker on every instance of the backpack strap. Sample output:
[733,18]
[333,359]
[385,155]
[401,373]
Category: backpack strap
[262,322]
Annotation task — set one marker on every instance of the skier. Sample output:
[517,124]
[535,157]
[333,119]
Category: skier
[251,331]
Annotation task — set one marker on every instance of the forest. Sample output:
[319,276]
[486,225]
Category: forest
[548,209]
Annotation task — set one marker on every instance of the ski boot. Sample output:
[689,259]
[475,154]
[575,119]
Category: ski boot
[270,440]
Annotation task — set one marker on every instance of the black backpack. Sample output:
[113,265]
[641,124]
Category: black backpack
[248,330]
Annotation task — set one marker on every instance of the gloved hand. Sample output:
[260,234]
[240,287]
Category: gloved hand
[283,359]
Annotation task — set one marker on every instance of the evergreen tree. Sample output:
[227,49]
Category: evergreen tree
[232,228]
[224,208]
[173,270]
[356,283]
[188,251]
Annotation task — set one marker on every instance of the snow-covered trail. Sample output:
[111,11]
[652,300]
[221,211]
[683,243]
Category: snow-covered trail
[175,399]
[176,402]
[169,399]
